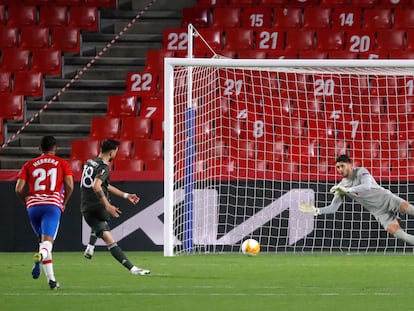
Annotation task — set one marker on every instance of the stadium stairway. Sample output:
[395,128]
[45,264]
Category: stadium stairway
[70,116]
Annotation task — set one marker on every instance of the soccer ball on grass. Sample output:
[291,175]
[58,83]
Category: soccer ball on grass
[250,247]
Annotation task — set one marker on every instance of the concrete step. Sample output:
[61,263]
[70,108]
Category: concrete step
[64,117]
[33,140]
[83,95]
[148,26]
[30,151]
[75,106]
[138,5]
[51,128]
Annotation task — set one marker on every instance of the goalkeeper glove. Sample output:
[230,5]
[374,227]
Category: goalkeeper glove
[308,208]
[341,190]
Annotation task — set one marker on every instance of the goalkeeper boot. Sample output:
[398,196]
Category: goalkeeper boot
[139,271]
[54,285]
[89,252]
[37,259]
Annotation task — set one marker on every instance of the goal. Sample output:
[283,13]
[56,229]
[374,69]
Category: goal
[247,140]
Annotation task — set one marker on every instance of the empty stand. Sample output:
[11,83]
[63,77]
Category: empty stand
[317,17]
[256,17]
[360,41]
[2,14]
[22,15]
[300,39]
[151,108]
[242,3]
[251,54]
[53,15]
[84,18]
[155,60]
[28,83]
[131,165]
[9,37]
[211,3]
[213,37]
[11,107]
[226,17]
[199,17]
[136,128]
[69,2]
[154,165]
[5,82]
[47,61]
[105,127]
[15,60]
[142,83]
[124,150]
[313,55]
[101,3]
[364,3]
[76,165]
[378,18]
[146,149]
[34,37]
[404,18]
[122,106]
[346,18]
[238,39]
[289,17]
[65,39]
[390,40]
[330,40]
[269,39]
[84,149]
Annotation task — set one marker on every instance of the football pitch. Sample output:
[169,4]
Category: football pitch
[212,282]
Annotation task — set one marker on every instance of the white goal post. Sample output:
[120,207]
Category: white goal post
[247,140]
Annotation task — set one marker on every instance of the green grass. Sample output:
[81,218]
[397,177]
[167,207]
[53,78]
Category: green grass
[212,282]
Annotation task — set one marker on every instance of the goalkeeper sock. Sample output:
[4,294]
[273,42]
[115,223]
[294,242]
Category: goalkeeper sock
[119,255]
[92,239]
[402,235]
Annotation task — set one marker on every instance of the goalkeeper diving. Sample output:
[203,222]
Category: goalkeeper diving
[358,184]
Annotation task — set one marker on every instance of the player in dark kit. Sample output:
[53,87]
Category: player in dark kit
[96,207]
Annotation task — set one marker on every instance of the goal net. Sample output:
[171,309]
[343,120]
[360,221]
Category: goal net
[248,140]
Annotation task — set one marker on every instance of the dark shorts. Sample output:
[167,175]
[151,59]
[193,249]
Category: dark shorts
[98,220]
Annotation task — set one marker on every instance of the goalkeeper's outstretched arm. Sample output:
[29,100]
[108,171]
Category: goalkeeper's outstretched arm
[330,209]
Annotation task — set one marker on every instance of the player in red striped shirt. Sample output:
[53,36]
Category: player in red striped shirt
[45,185]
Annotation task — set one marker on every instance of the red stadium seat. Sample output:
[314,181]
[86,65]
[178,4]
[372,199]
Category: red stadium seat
[390,40]
[269,39]
[395,4]
[226,17]
[148,149]
[360,41]
[76,166]
[346,18]
[300,40]
[410,42]
[2,14]
[401,54]
[12,106]
[175,40]
[131,165]
[377,18]
[105,127]
[313,55]
[135,128]
[154,165]
[53,15]
[28,83]
[66,39]
[256,17]
[47,61]
[317,18]
[84,149]
[214,39]
[238,39]
[34,37]
[155,60]
[242,3]
[330,40]
[157,129]
[342,55]
[251,54]
[122,106]
[142,83]
[5,82]
[364,3]
[84,18]
[334,3]
[102,3]
[272,3]
[151,108]
[15,60]
[22,15]
[124,149]
[304,3]
[199,17]
[290,17]
[404,18]
[211,3]
[69,2]
[9,37]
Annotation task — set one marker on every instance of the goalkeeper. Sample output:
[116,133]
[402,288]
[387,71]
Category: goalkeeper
[358,184]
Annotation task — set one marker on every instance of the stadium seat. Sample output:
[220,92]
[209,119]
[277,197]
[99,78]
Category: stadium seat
[175,39]
[378,18]
[12,106]
[226,17]
[124,150]
[28,83]
[65,39]
[199,17]
[9,37]
[360,41]
[34,37]
[401,54]
[364,3]
[76,166]
[330,40]
[101,3]
[135,128]
[404,18]
[386,85]
[238,39]
[409,43]
[131,165]
[317,18]
[300,40]
[2,14]
[272,3]
[47,61]
[22,15]
[5,82]
[242,3]
[154,165]
[256,17]
[304,3]
[214,39]
[155,60]
[15,60]
[157,129]
[290,17]
[242,149]
[84,18]
[142,83]
[211,3]
[269,39]
[105,127]
[313,54]
[342,55]
[334,3]
[251,54]
[396,4]
[69,2]
[53,16]
[84,149]
[373,55]
[390,40]
[147,149]
[122,106]
[151,108]
[346,18]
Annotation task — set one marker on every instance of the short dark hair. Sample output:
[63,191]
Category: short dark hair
[47,143]
[109,144]
[343,158]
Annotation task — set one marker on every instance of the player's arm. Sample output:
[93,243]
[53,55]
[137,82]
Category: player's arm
[132,197]
[21,189]
[97,187]
[310,208]
[365,184]
[68,181]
